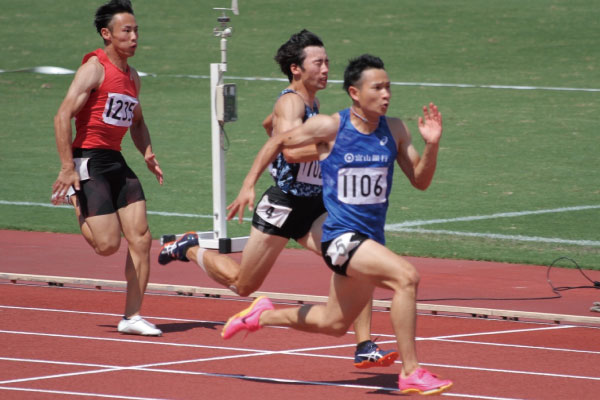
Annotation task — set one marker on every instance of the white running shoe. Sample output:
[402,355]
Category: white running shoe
[138,326]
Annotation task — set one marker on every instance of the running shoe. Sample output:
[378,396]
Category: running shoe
[368,355]
[247,319]
[423,382]
[138,326]
[176,250]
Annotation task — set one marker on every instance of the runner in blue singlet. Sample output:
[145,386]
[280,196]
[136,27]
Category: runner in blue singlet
[357,148]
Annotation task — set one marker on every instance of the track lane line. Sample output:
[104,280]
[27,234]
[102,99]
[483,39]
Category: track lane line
[81,394]
[255,353]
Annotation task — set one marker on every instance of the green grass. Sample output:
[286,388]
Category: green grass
[502,150]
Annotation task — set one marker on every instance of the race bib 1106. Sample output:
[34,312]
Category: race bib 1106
[362,185]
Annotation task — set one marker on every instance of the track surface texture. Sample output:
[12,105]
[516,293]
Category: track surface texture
[61,342]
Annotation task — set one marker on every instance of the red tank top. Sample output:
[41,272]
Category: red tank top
[108,113]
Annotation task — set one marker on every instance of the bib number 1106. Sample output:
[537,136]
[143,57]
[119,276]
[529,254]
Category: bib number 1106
[362,185]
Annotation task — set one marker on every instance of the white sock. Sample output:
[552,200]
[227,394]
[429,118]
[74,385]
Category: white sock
[199,255]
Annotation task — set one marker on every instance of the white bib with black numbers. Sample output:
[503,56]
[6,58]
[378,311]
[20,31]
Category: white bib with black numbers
[81,166]
[118,109]
[310,172]
[274,214]
[339,249]
[362,185]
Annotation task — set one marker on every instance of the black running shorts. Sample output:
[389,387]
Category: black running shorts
[111,184]
[286,215]
[338,252]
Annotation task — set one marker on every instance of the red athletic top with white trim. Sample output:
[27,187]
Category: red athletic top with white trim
[104,119]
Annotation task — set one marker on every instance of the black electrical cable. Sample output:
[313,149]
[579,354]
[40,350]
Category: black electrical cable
[555,290]
[225,142]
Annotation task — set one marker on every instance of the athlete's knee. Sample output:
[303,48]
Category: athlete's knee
[244,289]
[405,278]
[106,246]
[247,284]
[412,277]
[336,328]
[408,278]
[140,241]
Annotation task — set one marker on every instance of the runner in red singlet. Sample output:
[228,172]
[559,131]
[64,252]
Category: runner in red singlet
[108,197]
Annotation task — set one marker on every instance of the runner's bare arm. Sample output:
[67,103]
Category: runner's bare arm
[317,131]
[88,77]
[141,136]
[288,113]
[419,169]
[268,124]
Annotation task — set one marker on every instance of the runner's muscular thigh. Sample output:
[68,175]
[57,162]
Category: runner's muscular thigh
[133,220]
[381,266]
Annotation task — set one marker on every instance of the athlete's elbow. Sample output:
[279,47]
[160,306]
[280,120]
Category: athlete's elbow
[61,118]
[290,156]
[421,186]
[422,182]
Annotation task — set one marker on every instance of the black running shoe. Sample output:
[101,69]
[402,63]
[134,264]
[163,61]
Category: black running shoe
[370,355]
[176,250]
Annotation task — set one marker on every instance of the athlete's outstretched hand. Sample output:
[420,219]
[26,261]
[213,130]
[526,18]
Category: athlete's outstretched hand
[67,177]
[245,198]
[154,167]
[430,124]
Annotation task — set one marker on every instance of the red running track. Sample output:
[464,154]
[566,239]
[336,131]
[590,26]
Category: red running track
[62,342]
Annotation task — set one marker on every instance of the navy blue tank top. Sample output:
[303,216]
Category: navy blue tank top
[300,179]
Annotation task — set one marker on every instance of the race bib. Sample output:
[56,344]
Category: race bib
[339,249]
[118,109]
[274,214]
[362,185]
[81,166]
[310,172]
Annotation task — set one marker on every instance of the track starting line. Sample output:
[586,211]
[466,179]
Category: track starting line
[434,309]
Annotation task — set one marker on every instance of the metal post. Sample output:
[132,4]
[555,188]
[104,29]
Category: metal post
[217,239]
[218,156]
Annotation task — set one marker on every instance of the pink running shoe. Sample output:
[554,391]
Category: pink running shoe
[247,318]
[423,382]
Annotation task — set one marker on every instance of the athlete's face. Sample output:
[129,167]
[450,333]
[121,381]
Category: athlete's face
[315,67]
[122,33]
[374,92]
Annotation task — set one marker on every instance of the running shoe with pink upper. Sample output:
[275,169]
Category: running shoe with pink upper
[247,319]
[423,382]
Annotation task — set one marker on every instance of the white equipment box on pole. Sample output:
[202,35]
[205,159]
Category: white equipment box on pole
[223,108]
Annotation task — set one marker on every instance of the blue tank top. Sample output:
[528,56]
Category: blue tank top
[357,180]
[299,179]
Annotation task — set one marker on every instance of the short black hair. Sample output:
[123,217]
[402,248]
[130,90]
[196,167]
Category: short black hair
[292,51]
[356,66]
[105,13]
